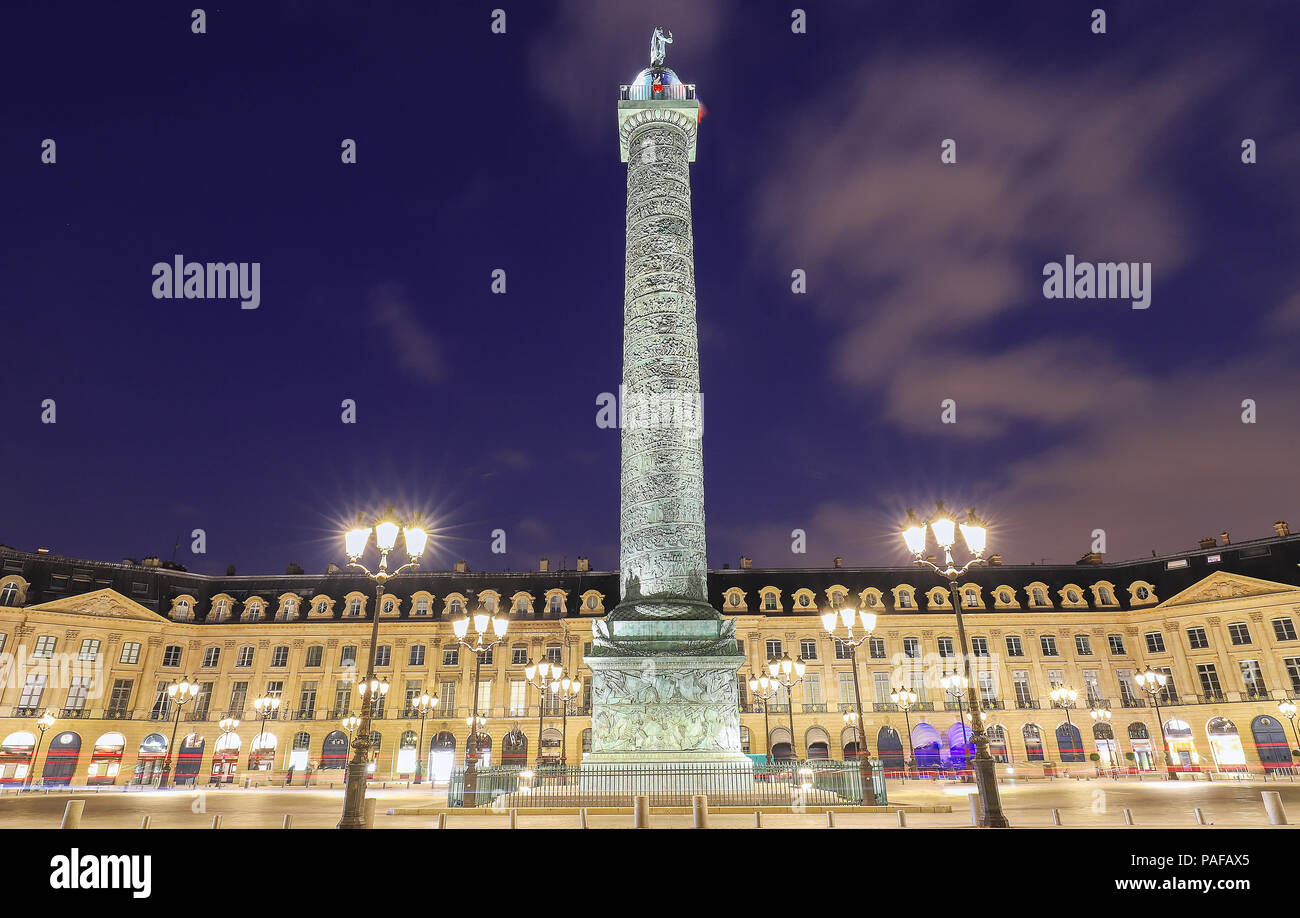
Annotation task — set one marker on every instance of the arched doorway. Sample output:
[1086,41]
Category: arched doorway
[1140,739]
[408,753]
[16,756]
[1103,735]
[189,758]
[442,756]
[514,748]
[149,762]
[997,743]
[1225,745]
[960,748]
[1033,743]
[373,753]
[106,758]
[1069,743]
[1271,744]
[550,748]
[818,743]
[225,759]
[849,743]
[333,750]
[300,752]
[1178,733]
[926,746]
[889,747]
[782,745]
[61,759]
[261,755]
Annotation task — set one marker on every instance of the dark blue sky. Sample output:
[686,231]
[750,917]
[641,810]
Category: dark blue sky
[479,151]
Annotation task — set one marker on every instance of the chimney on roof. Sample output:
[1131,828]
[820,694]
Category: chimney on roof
[46,551]
[1092,557]
[583,564]
[293,569]
[544,564]
[151,561]
[1281,528]
[1208,542]
[1224,535]
[462,567]
[746,563]
[331,568]
[995,559]
[839,562]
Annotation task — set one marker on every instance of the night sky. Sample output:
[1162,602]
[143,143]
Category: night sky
[479,151]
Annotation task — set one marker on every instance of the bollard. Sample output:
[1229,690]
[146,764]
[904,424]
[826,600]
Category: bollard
[288,821]
[902,820]
[442,820]
[72,814]
[1200,817]
[1056,816]
[974,809]
[582,818]
[514,819]
[758,819]
[146,821]
[700,811]
[369,807]
[1128,816]
[830,819]
[216,821]
[1272,806]
[641,811]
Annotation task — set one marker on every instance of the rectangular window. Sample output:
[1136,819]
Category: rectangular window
[315,656]
[979,647]
[945,647]
[918,684]
[280,656]
[485,657]
[1020,682]
[773,650]
[33,689]
[162,705]
[44,646]
[1239,632]
[1169,694]
[1155,642]
[245,658]
[1092,687]
[275,689]
[171,655]
[1253,678]
[77,691]
[842,650]
[451,656]
[485,697]
[846,691]
[119,701]
[416,655]
[1055,677]
[383,655]
[988,688]
[1083,645]
[812,689]
[1116,642]
[554,653]
[877,646]
[238,695]
[1209,677]
[202,701]
[130,652]
[307,701]
[348,655]
[1293,673]
[911,648]
[1013,647]
[446,699]
[89,650]
[210,657]
[1048,643]
[1197,639]
[1283,629]
[880,687]
[808,649]
[343,692]
[518,698]
[519,656]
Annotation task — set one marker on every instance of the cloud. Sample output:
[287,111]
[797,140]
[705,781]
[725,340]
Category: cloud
[415,348]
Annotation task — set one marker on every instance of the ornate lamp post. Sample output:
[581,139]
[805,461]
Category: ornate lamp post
[763,687]
[974,533]
[1153,683]
[489,631]
[227,725]
[180,693]
[1288,710]
[1102,716]
[385,530]
[566,689]
[831,619]
[1064,697]
[265,706]
[43,723]
[954,684]
[542,682]
[788,673]
[905,698]
[424,706]
[350,724]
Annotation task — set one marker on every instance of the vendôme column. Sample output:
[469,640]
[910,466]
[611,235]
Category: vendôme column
[663,661]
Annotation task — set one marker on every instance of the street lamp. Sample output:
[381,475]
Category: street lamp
[265,706]
[1064,697]
[489,631]
[44,723]
[424,706]
[846,616]
[1288,710]
[566,689]
[905,698]
[227,725]
[538,675]
[180,694]
[788,673]
[763,687]
[355,540]
[350,724]
[974,533]
[1102,716]
[1153,683]
[954,684]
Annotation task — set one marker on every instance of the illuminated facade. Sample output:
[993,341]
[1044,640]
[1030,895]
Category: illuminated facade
[97,643]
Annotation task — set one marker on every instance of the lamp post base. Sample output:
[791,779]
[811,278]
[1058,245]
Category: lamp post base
[353,796]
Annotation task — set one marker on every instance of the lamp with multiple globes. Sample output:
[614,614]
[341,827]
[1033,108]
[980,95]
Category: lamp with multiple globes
[854,621]
[904,699]
[490,626]
[179,693]
[788,673]
[538,675]
[1153,682]
[43,723]
[565,689]
[422,706]
[764,687]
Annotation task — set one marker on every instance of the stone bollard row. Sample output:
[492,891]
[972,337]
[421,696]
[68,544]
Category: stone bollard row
[700,811]
[641,811]
[1273,807]
[72,814]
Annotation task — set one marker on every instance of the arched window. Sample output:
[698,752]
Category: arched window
[769,602]
[9,594]
[1040,598]
[1069,743]
[522,604]
[422,605]
[905,599]
[1107,598]
[998,743]
[555,604]
[1033,743]
[456,607]
[972,598]
[354,606]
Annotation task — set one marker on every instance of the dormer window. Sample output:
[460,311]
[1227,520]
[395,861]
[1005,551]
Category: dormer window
[290,607]
[221,608]
[1143,593]
[872,601]
[354,606]
[554,605]
[422,606]
[972,599]
[1107,597]
[254,611]
[591,602]
[769,602]
[388,606]
[456,607]
[522,604]
[804,601]
[321,607]
[9,595]
[1040,597]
